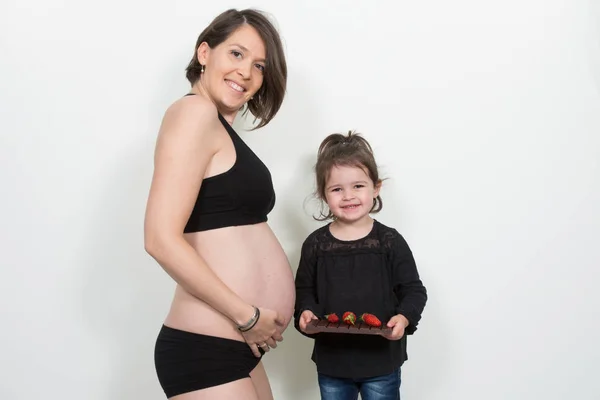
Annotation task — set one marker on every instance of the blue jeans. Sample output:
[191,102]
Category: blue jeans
[385,387]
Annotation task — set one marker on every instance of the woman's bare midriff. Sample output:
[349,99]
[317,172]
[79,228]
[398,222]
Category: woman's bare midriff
[250,261]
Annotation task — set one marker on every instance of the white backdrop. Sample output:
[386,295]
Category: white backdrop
[484,115]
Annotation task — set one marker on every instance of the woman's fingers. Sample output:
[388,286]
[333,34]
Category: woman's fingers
[255,350]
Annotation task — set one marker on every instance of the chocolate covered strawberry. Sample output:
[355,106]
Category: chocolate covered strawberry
[332,318]
[349,318]
[370,320]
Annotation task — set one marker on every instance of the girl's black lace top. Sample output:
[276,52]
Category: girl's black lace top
[375,274]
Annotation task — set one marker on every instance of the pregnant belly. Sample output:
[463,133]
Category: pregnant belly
[274,289]
[252,263]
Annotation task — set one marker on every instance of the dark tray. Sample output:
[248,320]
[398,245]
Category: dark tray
[316,326]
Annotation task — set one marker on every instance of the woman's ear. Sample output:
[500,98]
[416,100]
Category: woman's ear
[202,53]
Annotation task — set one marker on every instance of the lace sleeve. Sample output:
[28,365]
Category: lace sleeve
[306,283]
[408,288]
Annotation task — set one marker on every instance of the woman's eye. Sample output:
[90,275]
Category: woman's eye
[236,53]
[260,67]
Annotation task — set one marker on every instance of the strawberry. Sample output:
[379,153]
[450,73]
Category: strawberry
[332,318]
[349,318]
[370,320]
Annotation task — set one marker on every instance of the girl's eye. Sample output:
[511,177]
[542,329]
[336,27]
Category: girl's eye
[359,186]
[236,53]
[260,67]
[335,190]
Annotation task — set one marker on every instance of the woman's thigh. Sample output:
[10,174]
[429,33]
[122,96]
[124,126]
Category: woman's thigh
[242,389]
[261,382]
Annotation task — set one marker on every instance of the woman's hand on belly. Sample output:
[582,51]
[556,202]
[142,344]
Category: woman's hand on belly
[266,333]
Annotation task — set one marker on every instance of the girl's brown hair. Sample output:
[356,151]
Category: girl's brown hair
[351,150]
[267,101]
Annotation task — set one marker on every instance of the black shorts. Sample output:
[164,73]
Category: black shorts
[187,361]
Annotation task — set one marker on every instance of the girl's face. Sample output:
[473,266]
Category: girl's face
[349,193]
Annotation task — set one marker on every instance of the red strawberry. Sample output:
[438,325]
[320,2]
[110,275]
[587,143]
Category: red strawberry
[332,318]
[349,318]
[370,320]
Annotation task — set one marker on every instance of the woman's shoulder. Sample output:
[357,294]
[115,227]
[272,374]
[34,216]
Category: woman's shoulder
[192,118]
[193,109]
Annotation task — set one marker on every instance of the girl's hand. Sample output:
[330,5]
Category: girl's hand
[266,333]
[305,319]
[398,323]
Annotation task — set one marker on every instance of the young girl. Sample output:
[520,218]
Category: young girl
[356,264]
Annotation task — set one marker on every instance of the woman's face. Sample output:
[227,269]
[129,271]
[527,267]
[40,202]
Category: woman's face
[234,69]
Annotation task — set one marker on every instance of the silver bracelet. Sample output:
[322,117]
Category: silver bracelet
[250,324]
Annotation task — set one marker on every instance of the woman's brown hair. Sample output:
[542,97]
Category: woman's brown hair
[267,101]
[351,150]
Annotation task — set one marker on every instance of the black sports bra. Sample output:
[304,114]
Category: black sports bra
[243,195]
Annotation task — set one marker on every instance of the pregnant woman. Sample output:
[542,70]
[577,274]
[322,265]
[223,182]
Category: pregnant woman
[206,219]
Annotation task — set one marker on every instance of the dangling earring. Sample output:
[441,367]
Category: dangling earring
[201,68]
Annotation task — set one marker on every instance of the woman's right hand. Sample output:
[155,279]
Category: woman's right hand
[266,333]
